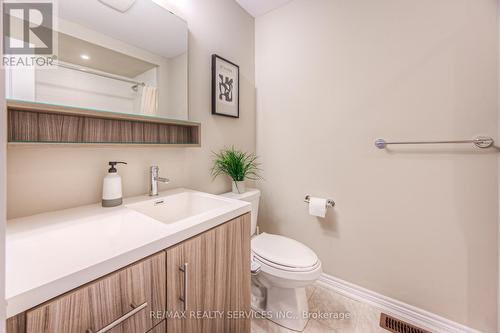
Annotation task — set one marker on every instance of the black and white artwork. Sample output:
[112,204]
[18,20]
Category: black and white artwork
[225,87]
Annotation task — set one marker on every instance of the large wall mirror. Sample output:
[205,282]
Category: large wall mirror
[133,62]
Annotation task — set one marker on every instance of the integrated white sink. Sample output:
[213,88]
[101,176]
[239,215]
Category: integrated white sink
[178,207]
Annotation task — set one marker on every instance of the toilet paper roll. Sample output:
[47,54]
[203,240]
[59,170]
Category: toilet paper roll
[317,207]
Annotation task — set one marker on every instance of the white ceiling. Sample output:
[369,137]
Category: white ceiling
[101,58]
[257,8]
[145,25]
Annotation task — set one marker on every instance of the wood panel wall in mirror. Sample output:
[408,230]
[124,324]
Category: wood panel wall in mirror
[133,62]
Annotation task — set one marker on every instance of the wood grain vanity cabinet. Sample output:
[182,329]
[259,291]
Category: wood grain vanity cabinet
[131,292]
[160,328]
[208,276]
[16,324]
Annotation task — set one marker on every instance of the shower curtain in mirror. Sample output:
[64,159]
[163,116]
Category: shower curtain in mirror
[149,100]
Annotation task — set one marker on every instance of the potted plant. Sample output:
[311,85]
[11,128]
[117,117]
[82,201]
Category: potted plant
[238,166]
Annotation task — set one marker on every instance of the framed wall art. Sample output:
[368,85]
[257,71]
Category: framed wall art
[225,87]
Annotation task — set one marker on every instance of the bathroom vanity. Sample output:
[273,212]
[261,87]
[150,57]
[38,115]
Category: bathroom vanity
[179,263]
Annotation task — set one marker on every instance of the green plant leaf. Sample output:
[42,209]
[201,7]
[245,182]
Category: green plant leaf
[236,164]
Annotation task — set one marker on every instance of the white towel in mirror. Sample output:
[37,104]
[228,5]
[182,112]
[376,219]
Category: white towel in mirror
[149,100]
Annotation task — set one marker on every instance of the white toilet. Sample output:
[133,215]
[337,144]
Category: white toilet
[281,270]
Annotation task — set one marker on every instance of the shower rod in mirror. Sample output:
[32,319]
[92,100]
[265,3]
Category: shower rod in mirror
[135,86]
[479,142]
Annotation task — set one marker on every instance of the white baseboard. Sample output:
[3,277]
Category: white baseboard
[403,311]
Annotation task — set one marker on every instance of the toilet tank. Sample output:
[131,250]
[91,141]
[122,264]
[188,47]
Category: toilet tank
[252,196]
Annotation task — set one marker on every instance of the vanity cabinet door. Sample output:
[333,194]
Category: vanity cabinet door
[208,281]
[16,324]
[124,298]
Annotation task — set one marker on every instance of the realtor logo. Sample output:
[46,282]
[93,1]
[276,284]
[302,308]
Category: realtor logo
[28,28]
[29,34]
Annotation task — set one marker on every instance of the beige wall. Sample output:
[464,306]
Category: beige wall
[45,179]
[415,223]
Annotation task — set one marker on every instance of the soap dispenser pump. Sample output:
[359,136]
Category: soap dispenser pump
[112,187]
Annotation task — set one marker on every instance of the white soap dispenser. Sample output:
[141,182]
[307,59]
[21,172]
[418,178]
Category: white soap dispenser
[112,187]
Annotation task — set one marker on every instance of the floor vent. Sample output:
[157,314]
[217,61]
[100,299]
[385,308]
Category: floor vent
[398,326]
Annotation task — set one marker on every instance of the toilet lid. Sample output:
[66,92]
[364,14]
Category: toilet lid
[283,251]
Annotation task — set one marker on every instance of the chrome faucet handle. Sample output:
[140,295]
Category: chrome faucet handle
[155,179]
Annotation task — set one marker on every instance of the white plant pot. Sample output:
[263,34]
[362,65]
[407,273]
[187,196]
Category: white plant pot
[238,187]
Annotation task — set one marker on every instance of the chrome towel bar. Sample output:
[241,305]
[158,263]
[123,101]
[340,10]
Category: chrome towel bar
[479,142]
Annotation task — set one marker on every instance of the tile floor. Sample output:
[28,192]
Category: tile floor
[362,318]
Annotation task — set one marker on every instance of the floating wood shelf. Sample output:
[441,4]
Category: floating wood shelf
[35,123]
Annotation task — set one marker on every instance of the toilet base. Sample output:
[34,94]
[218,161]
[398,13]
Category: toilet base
[286,307]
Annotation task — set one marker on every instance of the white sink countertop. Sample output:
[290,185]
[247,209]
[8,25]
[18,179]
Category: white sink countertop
[52,253]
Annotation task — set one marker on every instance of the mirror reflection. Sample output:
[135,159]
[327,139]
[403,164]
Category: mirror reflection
[131,61]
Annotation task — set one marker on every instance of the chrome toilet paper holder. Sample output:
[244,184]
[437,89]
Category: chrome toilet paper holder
[329,202]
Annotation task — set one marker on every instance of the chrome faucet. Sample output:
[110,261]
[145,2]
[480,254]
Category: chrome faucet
[154,179]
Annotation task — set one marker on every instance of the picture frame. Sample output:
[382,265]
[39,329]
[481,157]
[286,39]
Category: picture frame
[225,87]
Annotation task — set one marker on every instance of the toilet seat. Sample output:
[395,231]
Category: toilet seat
[261,260]
[283,253]
[286,277]
[285,258]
